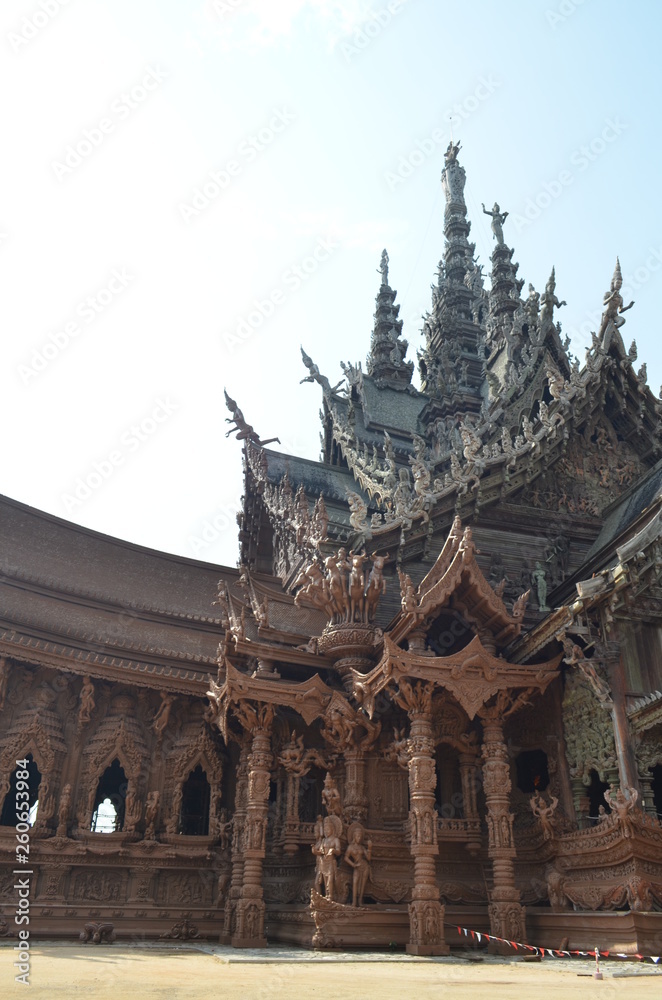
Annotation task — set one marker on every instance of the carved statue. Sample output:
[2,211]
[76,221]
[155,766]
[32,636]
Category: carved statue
[450,156]
[160,720]
[327,849]
[356,588]
[172,825]
[244,430]
[358,857]
[383,267]
[544,813]
[63,811]
[623,808]
[151,812]
[316,376]
[358,516]
[225,830]
[532,308]
[87,703]
[548,301]
[613,302]
[574,657]
[331,797]
[540,581]
[498,219]
[376,586]
[407,592]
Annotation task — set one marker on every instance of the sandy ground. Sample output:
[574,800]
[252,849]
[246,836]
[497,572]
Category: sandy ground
[122,973]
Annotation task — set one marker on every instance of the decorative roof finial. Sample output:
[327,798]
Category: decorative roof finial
[383,267]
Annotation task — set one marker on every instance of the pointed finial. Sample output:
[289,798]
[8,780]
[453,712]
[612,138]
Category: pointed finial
[383,267]
[617,280]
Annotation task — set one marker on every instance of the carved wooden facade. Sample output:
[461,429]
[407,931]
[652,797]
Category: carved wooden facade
[431,693]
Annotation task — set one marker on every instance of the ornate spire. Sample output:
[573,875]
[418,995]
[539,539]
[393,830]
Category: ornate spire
[386,360]
[504,297]
[451,364]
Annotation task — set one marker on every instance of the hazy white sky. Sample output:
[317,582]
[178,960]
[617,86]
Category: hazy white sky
[192,190]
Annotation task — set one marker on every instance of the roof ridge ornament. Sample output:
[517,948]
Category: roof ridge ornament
[244,430]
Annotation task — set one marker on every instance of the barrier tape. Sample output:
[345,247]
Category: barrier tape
[555,952]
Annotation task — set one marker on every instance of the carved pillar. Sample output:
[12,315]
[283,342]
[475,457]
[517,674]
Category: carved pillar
[238,820]
[627,767]
[291,825]
[507,915]
[426,914]
[356,800]
[249,930]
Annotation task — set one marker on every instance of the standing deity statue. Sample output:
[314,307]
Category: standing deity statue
[326,850]
[613,302]
[358,857]
[87,703]
[160,720]
[498,219]
[548,301]
[331,796]
[539,579]
[383,267]
[151,811]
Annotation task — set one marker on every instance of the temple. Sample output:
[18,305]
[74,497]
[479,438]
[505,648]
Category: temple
[430,695]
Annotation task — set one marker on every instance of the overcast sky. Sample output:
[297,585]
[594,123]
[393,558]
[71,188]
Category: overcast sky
[191,190]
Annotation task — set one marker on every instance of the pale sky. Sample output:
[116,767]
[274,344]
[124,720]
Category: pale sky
[127,270]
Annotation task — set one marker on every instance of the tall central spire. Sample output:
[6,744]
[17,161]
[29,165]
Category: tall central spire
[451,364]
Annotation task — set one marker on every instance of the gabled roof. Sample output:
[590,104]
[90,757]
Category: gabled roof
[456,581]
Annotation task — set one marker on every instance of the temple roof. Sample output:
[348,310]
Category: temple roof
[94,604]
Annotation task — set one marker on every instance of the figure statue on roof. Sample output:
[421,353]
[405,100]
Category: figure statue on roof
[244,430]
[498,219]
[540,580]
[532,307]
[316,376]
[450,156]
[548,300]
[383,267]
[613,303]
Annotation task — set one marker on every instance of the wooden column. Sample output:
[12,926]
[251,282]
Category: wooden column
[426,913]
[627,766]
[507,915]
[238,820]
[249,928]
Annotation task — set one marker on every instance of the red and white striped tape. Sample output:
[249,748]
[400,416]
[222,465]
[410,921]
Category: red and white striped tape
[554,952]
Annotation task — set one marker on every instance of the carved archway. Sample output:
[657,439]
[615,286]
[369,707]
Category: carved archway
[110,742]
[196,749]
